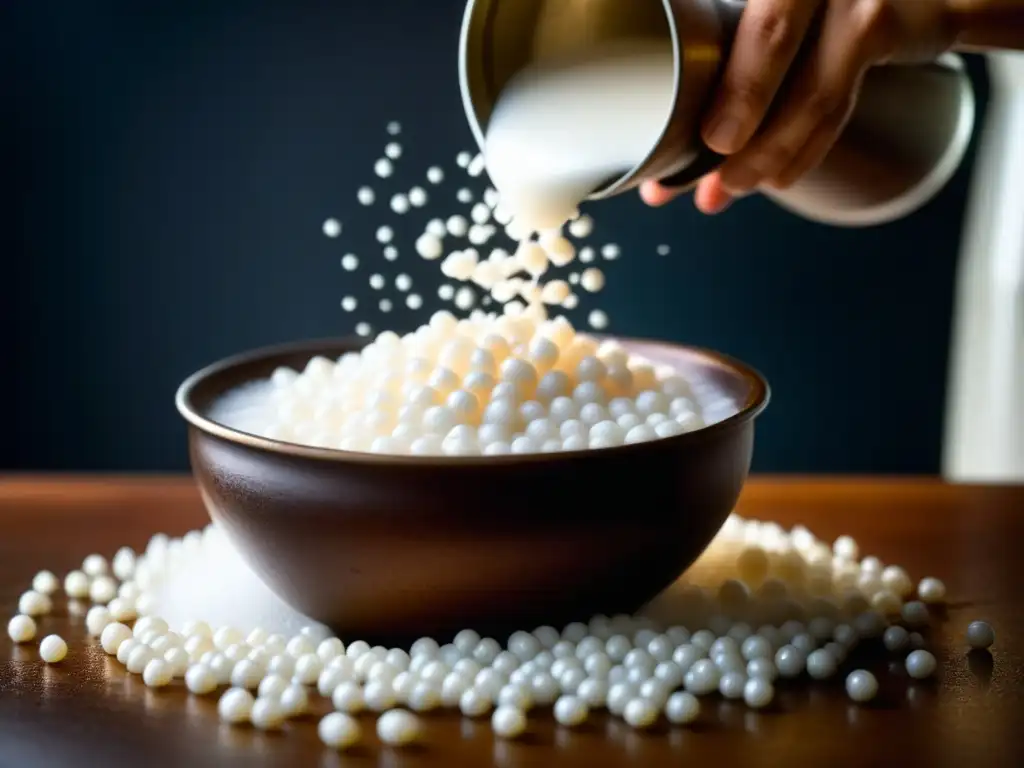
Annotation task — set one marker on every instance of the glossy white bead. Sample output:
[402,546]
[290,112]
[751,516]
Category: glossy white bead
[200,680]
[32,603]
[682,708]
[861,686]
[821,664]
[294,700]
[571,711]
[758,692]
[508,722]
[640,713]
[97,619]
[157,673]
[247,674]
[896,639]
[980,635]
[920,664]
[339,731]
[52,649]
[21,629]
[45,583]
[235,706]
[267,714]
[475,703]
[348,698]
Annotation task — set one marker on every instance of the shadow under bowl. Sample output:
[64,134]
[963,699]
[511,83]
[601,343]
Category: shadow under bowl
[401,546]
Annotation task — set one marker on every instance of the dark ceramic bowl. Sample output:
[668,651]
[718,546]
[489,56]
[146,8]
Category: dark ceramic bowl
[397,546]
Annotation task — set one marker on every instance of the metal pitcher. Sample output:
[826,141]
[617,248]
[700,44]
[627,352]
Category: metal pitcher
[905,139]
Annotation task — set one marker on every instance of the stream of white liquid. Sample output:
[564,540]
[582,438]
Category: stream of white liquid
[560,130]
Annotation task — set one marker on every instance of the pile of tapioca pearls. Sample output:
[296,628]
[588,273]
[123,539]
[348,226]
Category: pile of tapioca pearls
[486,385]
[632,667]
[505,276]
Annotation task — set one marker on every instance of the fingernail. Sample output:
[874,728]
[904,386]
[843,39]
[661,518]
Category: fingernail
[723,134]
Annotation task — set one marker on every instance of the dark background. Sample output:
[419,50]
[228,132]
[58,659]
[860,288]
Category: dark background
[170,165]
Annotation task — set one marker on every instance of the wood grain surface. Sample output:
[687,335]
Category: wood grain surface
[87,711]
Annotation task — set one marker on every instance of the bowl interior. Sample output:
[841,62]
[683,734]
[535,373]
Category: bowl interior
[719,381]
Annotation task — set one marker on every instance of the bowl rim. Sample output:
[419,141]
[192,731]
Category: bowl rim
[757,401]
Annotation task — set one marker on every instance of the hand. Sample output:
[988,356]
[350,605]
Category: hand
[786,93]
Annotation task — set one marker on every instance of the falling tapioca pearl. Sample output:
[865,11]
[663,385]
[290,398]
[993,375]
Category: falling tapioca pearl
[479,234]
[463,159]
[581,227]
[349,262]
[365,196]
[377,282]
[390,253]
[465,298]
[349,303]
[586,254]
[574,278]
[610,252]
[332,227]
[414,301]
[394,128]
[476,166]
[363,329]
[429,246]
[383,168]
[446,292]
[457,226]
[664,250]
[491,197]
[480,213]
[418,197]
[385,305]
[399,203]
[597,319]
[385,234]
[435,175]
[393,150]
[592,280]
[403,282]
[464,195]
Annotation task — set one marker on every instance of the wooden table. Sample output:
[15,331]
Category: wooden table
[88,711]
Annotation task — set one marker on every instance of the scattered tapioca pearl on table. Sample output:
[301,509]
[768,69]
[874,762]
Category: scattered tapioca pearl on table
[762,603]
[21,629]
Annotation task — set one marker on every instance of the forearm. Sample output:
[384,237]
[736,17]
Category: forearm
[987,24]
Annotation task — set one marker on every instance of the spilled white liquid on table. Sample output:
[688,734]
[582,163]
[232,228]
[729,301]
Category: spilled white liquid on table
[205,578]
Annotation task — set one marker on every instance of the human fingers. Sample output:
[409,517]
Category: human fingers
[767,40]
[818,100]
[656,195]
[710,196]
